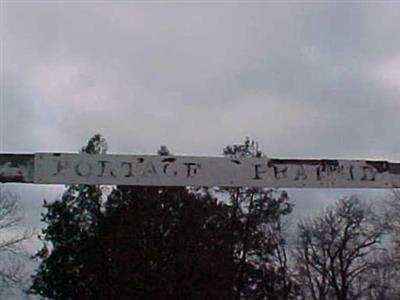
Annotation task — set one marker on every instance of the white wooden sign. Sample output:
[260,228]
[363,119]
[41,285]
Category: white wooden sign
[153,170]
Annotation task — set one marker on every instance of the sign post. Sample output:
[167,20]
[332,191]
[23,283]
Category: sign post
[153,170]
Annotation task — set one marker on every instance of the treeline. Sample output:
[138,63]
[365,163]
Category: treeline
[128,242]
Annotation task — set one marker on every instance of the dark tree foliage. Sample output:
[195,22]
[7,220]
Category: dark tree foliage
[165,243]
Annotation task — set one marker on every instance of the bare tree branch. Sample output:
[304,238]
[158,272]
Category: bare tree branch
[335,249]
[12,238]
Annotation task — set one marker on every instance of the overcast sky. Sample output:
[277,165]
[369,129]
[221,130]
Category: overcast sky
[305,79]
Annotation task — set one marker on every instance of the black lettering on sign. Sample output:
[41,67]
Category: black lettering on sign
[83,169]
[321,173]
[169,159]
[351,173]
[280,172]
[149,170]
[301,173]
[369,174]
[258,170]
[61,166]
[191,169]
[129,169]
[328,171]
[170,169]
[106,170]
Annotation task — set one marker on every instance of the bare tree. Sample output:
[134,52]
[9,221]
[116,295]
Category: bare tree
[337,249]
[12,238]
[394,217]
[381,282]
[386,280]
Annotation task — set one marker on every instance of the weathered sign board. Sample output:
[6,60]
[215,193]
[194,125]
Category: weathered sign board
[153,170]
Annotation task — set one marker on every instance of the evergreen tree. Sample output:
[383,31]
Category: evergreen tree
[71,223]
[165,243]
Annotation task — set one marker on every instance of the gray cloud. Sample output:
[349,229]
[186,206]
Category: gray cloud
[306,80]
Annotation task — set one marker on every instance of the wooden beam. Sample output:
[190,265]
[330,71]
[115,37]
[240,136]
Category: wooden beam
[152,170]
[17,168]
